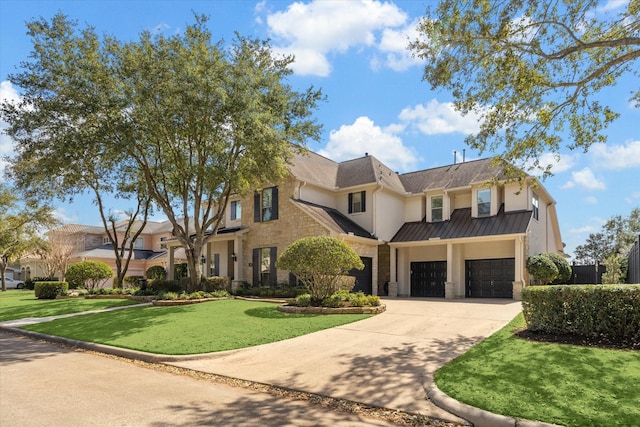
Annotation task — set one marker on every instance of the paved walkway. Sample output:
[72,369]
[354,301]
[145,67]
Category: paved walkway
[387,360]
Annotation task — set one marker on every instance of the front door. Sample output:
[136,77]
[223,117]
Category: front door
[428,279]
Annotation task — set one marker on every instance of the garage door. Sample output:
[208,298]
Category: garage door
[427,278]
[364,278]
[490,278]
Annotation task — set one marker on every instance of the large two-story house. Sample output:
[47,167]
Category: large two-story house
[454,231]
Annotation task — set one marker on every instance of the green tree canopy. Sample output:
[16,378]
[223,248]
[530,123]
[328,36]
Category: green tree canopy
[195,119]
[320,262]
[531,69]
[616,238]
[20,225]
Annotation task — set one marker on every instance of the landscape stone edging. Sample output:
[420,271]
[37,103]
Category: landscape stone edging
[172,302]
[150,298]
[476,416]
[330,310]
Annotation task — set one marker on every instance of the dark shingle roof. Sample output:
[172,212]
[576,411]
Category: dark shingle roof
[332,219]
[452,176]
[462,224]
[106,251]
[367,170]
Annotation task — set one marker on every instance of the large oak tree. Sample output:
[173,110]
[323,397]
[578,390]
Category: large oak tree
[196,119]
[532,69]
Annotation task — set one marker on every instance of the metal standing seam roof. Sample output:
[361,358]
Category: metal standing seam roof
[462,225]
[332,219]
[106,251]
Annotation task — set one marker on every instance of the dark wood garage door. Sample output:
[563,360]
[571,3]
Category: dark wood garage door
[428,278]
[364,278]
[490,278]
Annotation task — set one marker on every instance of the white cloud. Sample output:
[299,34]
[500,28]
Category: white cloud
[60,214]
[317,28]
[617,156]
[631,199]
[584,230]
[394,43]
[439,118]
[591,200]
[586,179]
[559,162]
[364,136]
[7,146]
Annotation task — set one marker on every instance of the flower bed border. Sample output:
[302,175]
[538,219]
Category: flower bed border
[330,310]
[140,298]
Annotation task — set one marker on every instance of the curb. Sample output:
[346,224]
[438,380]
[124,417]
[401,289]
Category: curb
[476,416]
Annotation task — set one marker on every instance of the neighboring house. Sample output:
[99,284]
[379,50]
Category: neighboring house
[454,231]
[81,242]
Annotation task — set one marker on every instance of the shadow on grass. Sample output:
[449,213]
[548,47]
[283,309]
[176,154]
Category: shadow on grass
[33,307]
[107,327]
[272,313]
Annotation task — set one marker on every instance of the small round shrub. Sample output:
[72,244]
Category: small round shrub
[50,290]
[303,300]
[542,268]
[157,272]
[563,266]
[88,274]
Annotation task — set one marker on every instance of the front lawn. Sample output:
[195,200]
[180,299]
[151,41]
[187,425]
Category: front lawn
[557,383]
[18,304]
[192,329]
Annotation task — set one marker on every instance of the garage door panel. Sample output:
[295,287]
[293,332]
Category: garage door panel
[428,279]
[492,278]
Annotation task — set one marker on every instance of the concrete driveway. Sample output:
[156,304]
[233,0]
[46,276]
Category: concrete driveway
[387,360]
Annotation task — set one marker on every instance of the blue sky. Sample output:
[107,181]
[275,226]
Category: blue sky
[377,102]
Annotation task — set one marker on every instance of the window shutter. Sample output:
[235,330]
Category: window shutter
[350,202]
[293,280]
[256,266]
[272,268]
[256,206]
[363,200]
[274,203]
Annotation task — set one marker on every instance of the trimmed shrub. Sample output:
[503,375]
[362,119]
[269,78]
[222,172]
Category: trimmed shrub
[613,273]
[50,290]
[157,272]
[89,274]
[132,281]
[563,266]
[303,300]
[30,283]
[320,262]
[166,286]
[216,283]
[606,311]
[542,268]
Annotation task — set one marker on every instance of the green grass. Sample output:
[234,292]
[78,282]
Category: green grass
[192,329]
[18,304]
[557,383]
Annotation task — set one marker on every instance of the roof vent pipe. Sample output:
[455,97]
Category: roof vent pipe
[455,155]
[366,154]
[463,154]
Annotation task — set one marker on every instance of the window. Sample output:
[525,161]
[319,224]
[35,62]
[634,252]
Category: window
[163,245]
[535,206]
[436,208]
[214,265]
[357,202]
[265,205]
[139,243]
[264,266]
[236,210]
[106,240]
[484,202]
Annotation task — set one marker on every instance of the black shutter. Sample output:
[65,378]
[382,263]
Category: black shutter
[363,200]
[274,203]
[272,268]
[350,202]
[256,267]
[256,207]
[293,280]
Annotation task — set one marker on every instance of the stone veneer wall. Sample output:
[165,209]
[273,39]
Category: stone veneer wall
[291,225]
[384,267]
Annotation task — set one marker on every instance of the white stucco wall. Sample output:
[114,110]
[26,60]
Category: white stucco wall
[414,209]
[514,201]
[389,214]
[320,196]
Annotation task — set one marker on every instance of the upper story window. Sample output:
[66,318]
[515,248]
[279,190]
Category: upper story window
[484,202]
[265,206]
[436,208]
[163,245]
[139,243]
[535,206]
[357,202]
[236,210]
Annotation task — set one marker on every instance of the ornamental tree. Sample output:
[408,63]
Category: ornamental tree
[320,262]
[542,268]
[532,69]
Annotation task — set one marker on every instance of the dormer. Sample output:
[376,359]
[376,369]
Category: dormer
[438,206]
[485,200]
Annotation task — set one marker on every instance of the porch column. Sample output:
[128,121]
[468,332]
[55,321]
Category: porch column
[518,282]
[449,285]
[170,266]
[392,290]
[238,271]
[207,263]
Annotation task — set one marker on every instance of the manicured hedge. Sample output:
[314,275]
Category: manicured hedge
[608,311]
[50,290]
